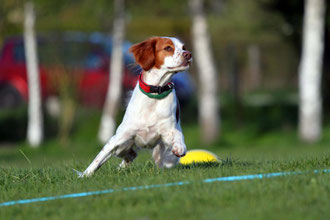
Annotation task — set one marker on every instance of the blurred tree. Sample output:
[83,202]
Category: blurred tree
[11,17]
[254,65]
[64,80]
[111,105]
[310,71]
[35,121]
[208,99]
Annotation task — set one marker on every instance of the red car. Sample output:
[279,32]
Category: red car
[72,59]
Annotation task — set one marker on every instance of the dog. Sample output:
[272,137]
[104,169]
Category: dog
[151,119]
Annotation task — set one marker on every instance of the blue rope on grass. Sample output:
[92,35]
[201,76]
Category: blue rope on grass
[134,188]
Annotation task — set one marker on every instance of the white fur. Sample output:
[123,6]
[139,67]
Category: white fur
[149,123]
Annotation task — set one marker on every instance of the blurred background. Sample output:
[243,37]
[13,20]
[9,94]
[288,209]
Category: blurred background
[255,48]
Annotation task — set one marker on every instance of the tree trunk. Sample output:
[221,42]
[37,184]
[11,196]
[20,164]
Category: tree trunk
[208,99]
[113,97]
[35,121]
[254,67]
[234,75]
[310,71]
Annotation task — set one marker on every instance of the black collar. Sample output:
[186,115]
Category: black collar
[154,89]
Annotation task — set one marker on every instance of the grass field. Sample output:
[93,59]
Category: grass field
[29,173]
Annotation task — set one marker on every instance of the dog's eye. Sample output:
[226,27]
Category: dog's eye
[183,48]
[168,48]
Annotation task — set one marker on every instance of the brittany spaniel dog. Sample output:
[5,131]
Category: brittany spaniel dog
[151,119]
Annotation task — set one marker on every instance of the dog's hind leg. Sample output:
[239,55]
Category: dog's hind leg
[108,150]
[157,154]
[169,160]
[164,157]
[128,158]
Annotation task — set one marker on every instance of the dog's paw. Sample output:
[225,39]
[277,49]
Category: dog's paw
[179,150]
[123,165]
[80,174]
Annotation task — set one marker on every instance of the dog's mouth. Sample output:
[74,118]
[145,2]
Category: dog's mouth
[185,63]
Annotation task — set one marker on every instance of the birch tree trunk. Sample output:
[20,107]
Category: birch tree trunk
[254,67]
[310,71]
[112,101]
[209,117]
[35,121]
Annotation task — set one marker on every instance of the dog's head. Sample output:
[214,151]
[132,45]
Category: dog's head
[165,53]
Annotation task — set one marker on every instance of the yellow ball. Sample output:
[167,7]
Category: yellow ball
[198,156]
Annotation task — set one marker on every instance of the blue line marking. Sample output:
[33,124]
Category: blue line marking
[134,188]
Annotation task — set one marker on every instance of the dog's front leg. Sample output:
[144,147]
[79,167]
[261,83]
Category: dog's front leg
[175,139]
[107,151]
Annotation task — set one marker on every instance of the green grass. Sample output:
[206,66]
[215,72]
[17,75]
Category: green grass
[29,173]
[293,197]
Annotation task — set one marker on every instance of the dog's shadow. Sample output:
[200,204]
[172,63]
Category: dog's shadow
[228,162]
[203,165]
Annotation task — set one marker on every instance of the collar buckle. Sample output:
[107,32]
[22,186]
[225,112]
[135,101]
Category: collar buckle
[162,91]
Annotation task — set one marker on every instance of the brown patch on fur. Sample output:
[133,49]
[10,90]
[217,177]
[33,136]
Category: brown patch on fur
[151,53]
[144,53]
[161,53]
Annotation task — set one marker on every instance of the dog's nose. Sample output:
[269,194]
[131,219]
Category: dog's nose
[187,55]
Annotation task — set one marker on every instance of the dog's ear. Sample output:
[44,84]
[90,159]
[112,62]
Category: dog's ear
[144,53]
